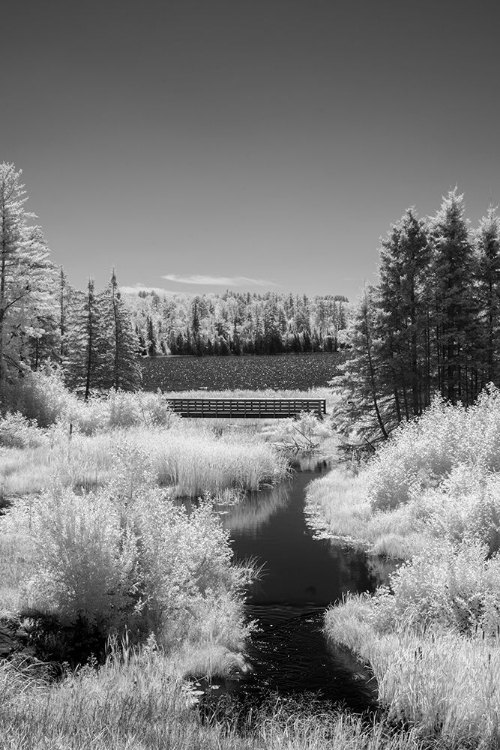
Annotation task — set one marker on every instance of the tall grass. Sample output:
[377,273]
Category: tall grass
[443,683]
[137,703]
[338,507]
[432,637]
[189,458]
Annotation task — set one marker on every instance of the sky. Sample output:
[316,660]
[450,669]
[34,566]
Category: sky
[254,145]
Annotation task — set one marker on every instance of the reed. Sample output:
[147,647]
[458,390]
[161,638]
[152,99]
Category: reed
[443,683]
[136,702]
[191,459]
[338,507]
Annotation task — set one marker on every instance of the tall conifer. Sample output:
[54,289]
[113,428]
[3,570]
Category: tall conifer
[487,247]
[455,311]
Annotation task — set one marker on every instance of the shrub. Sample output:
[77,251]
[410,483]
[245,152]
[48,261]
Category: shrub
[120,409]
[86,560]
[449,586]
[16,431]
[145,563]
[187,571]
[40,396]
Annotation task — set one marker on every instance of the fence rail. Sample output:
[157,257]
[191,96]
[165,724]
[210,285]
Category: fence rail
[246,408]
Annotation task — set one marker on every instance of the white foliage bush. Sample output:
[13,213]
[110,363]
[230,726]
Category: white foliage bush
[120,409]
[421,454]
[18,432]
[112,560]
[186,566]
[40,396]
[449,586]
[86,560]
[43,398]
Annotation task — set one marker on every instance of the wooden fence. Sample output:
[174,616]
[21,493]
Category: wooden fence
[247,408]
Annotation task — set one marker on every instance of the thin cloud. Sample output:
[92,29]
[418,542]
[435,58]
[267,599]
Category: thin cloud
[218,280]
[142,288]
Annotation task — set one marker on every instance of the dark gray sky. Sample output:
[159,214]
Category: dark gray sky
[238,140]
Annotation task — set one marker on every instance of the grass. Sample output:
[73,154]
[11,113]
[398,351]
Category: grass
[338,507]
[138,703]
[189,458]
[442,683]
[430,497]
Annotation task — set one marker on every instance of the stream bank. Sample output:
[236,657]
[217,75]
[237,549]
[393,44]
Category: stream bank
[301,576]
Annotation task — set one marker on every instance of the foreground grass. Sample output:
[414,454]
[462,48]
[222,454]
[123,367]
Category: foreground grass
[442,683]
[140,704]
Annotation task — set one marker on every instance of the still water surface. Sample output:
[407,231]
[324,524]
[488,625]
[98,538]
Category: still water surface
[301,576]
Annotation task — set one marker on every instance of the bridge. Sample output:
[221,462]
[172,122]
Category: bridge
[246,408]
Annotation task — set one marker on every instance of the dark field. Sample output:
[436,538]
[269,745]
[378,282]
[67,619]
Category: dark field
[280,371]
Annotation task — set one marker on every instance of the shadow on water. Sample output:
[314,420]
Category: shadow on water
[301,576]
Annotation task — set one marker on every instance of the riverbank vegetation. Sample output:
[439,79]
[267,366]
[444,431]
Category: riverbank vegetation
[429,496]
[137,703]
[99,563]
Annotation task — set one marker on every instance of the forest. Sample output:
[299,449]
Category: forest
[430,326]
[237,323]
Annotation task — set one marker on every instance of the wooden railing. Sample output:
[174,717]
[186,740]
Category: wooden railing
[246,408]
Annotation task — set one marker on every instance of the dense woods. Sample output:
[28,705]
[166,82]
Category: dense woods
[430,326]
[237,323]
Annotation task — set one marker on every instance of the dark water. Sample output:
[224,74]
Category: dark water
[301,576]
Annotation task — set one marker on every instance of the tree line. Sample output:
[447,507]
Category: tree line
[237,323]
[98,337]
[44,319]
[430,326]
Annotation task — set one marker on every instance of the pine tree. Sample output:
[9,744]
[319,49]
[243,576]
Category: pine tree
[365,403]
[455,313]
[121,346]
[86,361]
[26,275]
[403,299]
[487,248]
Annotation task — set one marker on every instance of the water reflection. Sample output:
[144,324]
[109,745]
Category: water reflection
[299,571]
[255,510]
[301,577]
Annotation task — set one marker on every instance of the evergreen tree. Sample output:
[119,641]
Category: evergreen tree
[121,342]
[487,247]
[26,275]
[455,313]
[365,404]
[403,300]
[86,363]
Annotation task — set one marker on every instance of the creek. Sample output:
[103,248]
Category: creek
[301,576]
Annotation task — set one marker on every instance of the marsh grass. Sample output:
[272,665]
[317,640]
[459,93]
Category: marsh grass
[338,507]
[432,637]
[190,458]
[137,702]
[442,683]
